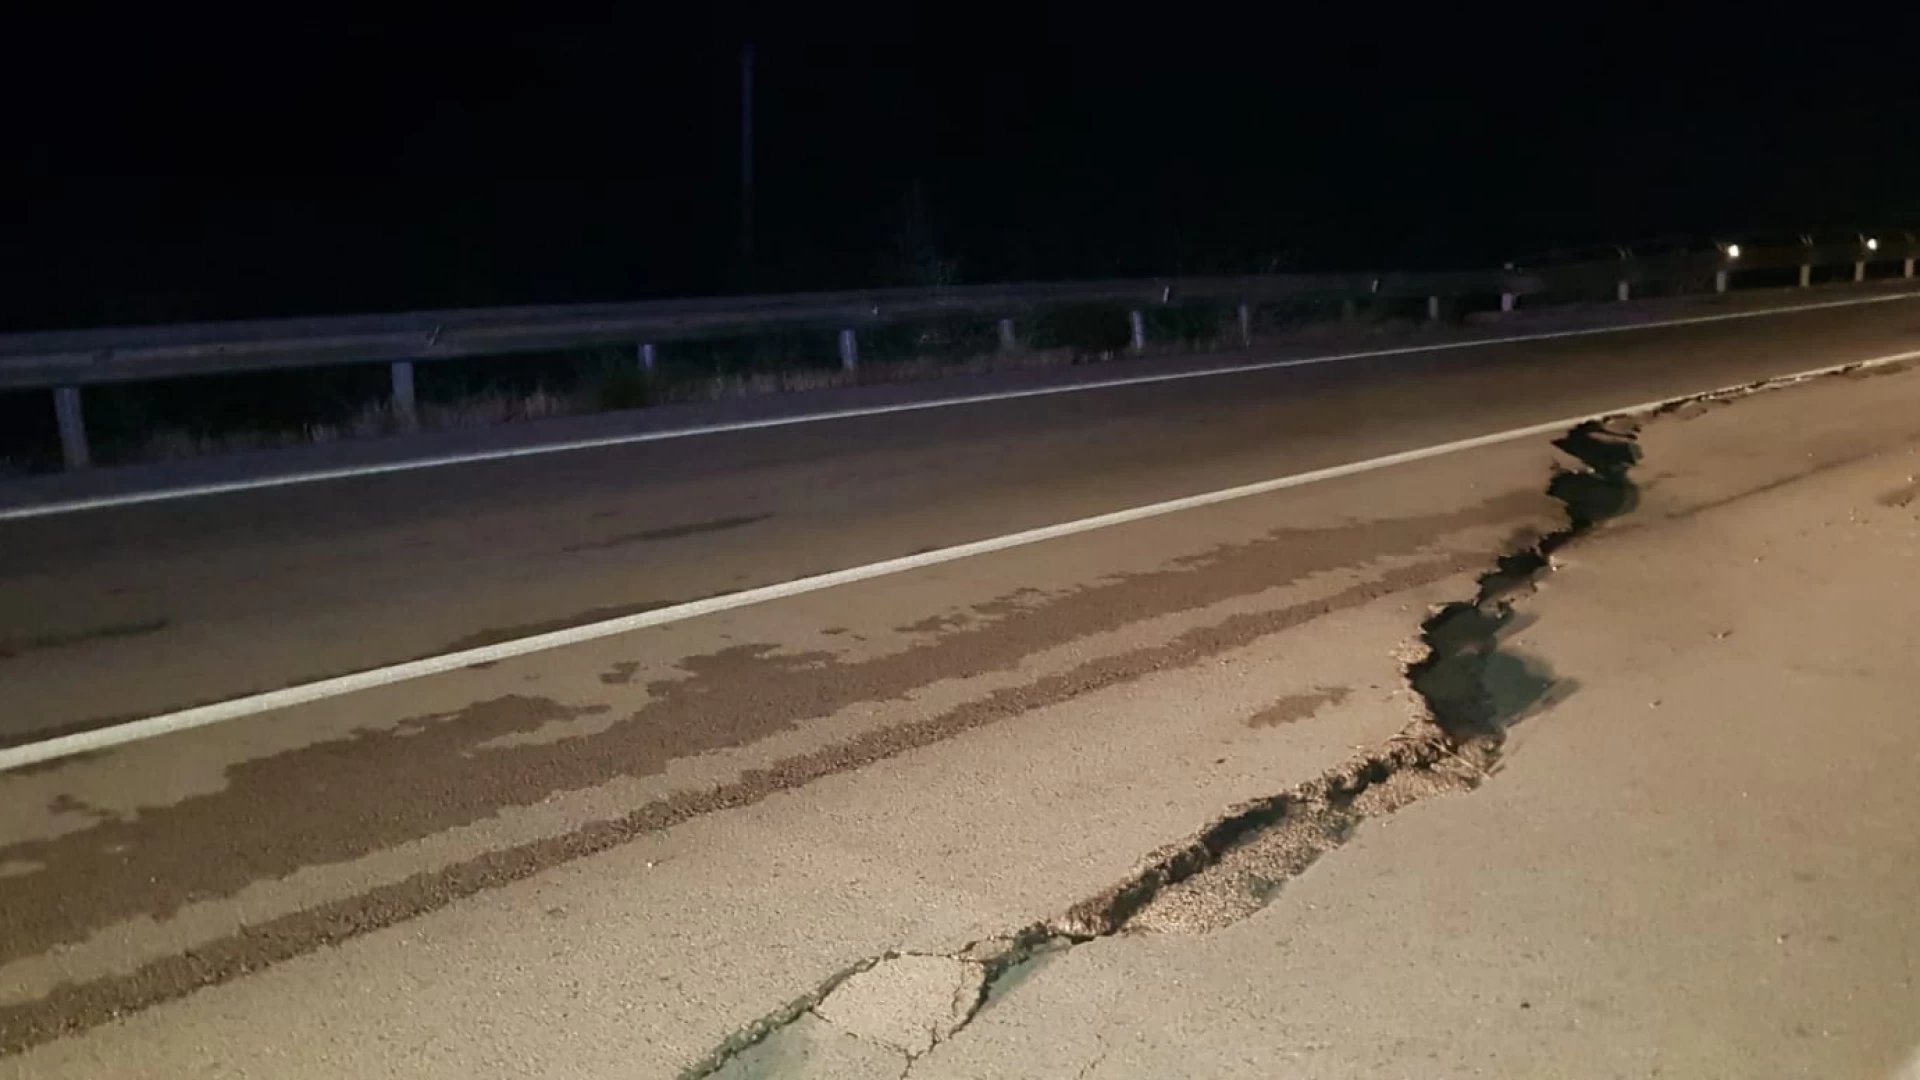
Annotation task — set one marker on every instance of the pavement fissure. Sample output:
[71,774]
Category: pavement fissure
[1461,677]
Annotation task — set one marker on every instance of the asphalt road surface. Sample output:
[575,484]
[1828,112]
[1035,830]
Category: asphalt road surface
[610,858]
[1697,860]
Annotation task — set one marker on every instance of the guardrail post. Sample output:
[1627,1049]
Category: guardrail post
[1806,275]
[849,351]
[1009,341]
[1246,325]
[1622,291]
[1138,323]
[1719,281]
[1859,270]
[647,357]
[73,427]
[403,403]
[1506,301]
[1433,309]
[1907,269]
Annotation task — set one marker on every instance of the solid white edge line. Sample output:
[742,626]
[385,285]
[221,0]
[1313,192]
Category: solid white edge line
[236,708]
[102,502]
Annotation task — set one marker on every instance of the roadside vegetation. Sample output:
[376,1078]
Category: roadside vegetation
[187,418]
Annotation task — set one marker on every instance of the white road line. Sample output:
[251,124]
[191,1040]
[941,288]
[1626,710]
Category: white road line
[236,708]
[102,502]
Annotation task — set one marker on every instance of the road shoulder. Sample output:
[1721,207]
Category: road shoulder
[1699,862]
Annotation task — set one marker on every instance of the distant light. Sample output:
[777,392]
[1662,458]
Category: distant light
[1733,251]
[1872,244]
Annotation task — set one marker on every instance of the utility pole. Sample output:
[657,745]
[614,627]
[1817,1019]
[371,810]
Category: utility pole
[746,160]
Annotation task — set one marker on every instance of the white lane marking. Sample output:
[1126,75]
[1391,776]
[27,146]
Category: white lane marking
[102,502]
[236,708]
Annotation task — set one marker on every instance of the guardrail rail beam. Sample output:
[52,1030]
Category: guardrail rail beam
[64,362]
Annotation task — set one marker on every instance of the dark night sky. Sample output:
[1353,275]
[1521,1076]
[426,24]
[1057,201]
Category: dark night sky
[168,166]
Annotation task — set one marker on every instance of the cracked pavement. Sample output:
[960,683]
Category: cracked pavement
[1490,949]
[1698,862]
[949,823]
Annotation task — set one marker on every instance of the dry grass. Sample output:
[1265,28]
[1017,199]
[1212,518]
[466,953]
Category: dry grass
[725,387]
[371,421]
[377,419]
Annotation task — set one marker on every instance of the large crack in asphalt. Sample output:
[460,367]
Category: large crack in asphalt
[1469,690]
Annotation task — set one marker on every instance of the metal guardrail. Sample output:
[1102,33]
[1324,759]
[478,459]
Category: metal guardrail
[65,361]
